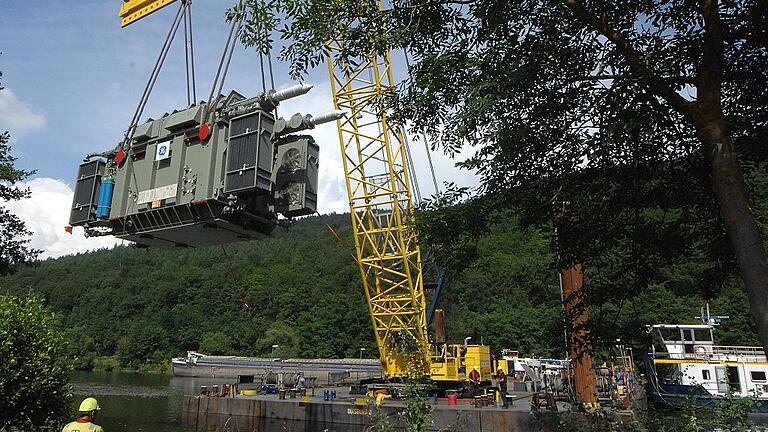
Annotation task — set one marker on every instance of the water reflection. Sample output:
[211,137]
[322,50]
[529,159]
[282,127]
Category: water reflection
[137,402]
[134,402]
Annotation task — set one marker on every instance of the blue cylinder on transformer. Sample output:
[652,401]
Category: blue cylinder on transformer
[105,198]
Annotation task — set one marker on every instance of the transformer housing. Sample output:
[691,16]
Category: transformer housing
[200,176]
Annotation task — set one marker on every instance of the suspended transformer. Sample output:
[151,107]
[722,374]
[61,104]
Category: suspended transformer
[209,174]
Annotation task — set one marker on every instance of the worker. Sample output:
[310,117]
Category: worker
[501,379]
[86,415]
[474,376]
[474,381]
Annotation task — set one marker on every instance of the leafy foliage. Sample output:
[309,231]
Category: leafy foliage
[146,305]
[35,366]
[305,295]
[14,236]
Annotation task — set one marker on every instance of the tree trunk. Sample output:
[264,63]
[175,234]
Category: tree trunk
[743,231]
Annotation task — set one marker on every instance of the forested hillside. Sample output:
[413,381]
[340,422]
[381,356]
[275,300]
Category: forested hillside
[303,293]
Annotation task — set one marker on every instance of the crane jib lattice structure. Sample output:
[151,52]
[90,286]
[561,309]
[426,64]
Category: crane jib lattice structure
[374,156]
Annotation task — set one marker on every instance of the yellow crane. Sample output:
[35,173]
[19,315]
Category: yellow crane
[381,206]
[375,160]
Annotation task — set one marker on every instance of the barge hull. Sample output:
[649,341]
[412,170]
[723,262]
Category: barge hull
[206,413]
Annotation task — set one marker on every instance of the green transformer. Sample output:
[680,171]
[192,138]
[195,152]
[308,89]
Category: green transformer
[210,174]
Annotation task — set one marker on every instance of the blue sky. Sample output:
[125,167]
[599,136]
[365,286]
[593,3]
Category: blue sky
[73,78]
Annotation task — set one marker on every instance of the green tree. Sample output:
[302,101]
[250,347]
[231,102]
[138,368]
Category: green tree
[35,366]
[14,236]
[216,343]
[624,109]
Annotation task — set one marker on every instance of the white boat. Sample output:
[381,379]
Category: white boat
[689,368]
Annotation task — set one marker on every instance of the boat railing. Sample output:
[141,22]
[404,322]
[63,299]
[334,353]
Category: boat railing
[718,352]
[751,352]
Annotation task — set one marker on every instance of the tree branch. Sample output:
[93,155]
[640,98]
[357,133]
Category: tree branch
[614,77]
[710,72]
[433,3]
[637,65]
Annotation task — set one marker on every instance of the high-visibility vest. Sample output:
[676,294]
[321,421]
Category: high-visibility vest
[82,427]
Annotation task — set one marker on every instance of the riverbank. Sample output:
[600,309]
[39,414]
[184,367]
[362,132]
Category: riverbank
[112,364]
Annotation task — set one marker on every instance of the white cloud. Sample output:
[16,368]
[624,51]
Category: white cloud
[46,213]
[16,116]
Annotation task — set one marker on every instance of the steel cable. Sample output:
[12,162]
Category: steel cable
[155,73]
[186,56]
[223,58]
[192,54]
[424,136]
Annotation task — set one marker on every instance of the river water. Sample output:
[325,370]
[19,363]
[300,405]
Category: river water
[137,402]
[133,402]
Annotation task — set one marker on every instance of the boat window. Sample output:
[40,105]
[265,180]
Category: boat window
[703,335]
[705,374]
[688,334]
[758,375]
[670,334]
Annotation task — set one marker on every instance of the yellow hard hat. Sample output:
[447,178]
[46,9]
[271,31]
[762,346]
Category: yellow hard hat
[89,404]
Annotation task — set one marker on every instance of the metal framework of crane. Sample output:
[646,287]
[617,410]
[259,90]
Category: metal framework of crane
[375,164]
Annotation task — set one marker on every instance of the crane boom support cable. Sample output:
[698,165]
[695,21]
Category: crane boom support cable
[427,148]
[155,73]
[431,165]
[411,166]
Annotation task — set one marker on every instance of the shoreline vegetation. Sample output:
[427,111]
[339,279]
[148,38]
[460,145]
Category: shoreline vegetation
[134,309]
[112,364]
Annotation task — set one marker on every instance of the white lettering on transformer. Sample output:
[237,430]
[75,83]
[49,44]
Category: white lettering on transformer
[160,193]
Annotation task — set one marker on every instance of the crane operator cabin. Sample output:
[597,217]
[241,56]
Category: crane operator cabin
[205,175]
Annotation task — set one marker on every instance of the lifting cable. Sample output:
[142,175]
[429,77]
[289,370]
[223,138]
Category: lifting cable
[189,54]
[233,274]
[226,56]
[155,73]
[269,63]
[263,32]
[424,134]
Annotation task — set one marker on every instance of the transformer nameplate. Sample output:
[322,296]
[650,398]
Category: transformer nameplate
[163,192]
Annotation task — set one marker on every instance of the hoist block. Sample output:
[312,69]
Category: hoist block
[134,10]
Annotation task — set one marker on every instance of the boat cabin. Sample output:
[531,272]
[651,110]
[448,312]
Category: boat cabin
[691,358]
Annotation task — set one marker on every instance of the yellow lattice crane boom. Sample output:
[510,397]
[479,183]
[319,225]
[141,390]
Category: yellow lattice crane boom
[379,191]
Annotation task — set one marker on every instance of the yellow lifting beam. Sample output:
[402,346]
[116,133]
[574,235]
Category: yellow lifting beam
[134,10]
